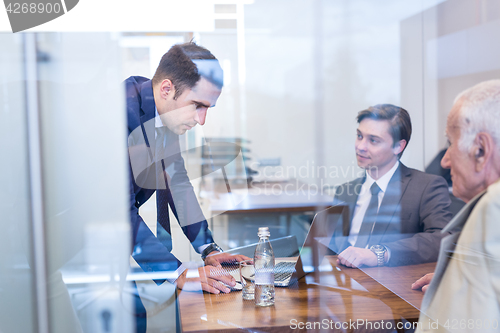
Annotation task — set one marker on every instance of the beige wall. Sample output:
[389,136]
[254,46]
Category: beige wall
[446,49]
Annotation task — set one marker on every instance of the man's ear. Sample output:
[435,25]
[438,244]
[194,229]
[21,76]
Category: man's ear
[399,147]
[166,88]
[482,150]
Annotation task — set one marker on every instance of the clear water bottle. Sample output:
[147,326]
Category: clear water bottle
[264,269]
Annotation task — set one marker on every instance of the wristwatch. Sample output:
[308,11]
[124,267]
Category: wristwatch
[209,249]
[379,251]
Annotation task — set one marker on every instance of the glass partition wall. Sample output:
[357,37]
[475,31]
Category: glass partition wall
[296,73]
[66,239]
[18,306]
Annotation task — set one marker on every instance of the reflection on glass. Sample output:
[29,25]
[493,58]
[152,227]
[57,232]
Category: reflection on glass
[17,288]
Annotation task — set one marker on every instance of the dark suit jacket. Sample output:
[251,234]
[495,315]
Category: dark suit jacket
[414,210]
[149,252]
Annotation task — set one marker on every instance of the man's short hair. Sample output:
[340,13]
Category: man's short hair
[398,118]
[479,112]
[176,65]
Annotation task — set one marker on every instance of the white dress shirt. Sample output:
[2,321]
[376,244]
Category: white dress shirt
[364,200]
[158,122]
[182,267]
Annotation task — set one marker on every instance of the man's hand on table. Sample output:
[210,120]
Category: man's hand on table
[209,277]
[423,282]
[356,257]
[215,258]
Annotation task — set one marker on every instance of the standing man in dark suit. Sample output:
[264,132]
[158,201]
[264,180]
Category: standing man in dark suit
[395,213]
[187,82]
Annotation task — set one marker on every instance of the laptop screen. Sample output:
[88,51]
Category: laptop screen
[321,240]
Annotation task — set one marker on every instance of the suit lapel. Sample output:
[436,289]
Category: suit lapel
[148,113]
[390,206]
[144,153]
[458,223]
[163,195]
[353,187]
[348,197]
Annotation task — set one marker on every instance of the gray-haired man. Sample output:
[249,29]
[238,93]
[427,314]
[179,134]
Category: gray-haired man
[464,295]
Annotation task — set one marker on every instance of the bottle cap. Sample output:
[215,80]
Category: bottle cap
[264,231]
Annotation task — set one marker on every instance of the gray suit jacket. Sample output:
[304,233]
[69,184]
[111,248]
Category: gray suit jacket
[464,295]
[414,210]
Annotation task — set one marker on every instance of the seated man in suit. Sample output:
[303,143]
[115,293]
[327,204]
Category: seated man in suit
[395,213]
[464,294]
[187,82]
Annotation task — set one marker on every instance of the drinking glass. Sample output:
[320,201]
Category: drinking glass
[247,277]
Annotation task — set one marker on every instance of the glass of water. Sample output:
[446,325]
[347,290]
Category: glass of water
[247,277]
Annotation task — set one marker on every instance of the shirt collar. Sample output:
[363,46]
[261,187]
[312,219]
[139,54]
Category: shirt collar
[158,122]
[383,181]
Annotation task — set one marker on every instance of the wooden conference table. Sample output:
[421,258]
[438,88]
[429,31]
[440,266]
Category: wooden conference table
[343,299]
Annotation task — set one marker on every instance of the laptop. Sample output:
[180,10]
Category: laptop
[286,252]
[292,264]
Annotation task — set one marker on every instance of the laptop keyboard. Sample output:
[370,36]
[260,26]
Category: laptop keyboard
[283,270]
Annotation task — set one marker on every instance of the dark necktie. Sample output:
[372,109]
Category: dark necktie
[162,192]
[369,219]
